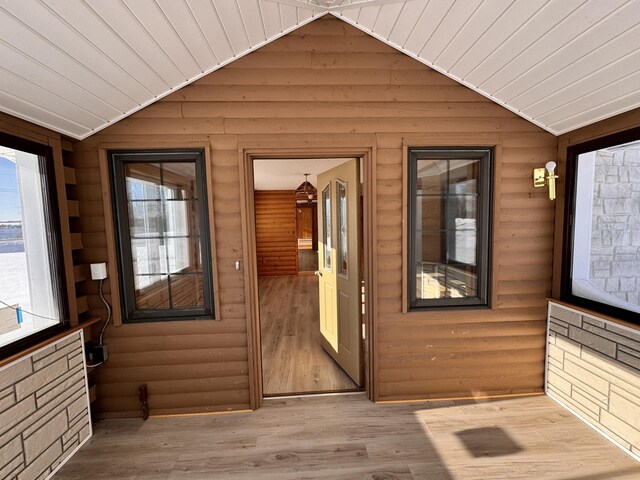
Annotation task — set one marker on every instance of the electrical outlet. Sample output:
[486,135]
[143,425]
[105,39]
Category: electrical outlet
[96,354]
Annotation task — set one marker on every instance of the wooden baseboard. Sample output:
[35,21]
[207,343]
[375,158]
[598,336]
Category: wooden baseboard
[449,399]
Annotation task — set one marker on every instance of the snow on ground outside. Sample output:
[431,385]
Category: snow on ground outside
[14,289]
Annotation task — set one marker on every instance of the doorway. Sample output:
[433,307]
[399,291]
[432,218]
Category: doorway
[307,216]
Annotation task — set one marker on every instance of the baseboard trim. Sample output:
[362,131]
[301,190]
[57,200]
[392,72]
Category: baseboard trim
[449,399]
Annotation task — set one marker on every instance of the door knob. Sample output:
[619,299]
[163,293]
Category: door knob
[317,273]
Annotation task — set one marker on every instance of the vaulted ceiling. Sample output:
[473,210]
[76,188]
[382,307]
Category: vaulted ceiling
[77,66]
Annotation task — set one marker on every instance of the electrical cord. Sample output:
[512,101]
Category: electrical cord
[33,314]
[106,304]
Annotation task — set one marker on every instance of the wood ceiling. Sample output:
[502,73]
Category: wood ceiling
[77,66]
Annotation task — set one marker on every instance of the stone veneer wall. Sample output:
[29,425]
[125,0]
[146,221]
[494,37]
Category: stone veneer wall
[593,368]
[44,410]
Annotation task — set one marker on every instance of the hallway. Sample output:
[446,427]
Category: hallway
[293,360]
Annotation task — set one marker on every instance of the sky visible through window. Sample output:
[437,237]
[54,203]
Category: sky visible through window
[14,286]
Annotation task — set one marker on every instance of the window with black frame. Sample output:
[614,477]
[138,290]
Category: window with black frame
[601,255]
[32,289]
[449,225]
[163,235]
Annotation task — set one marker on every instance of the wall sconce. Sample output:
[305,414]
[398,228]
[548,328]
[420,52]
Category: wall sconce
[540,178]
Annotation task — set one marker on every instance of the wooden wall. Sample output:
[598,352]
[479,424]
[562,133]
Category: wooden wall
[276,241]
[329,85]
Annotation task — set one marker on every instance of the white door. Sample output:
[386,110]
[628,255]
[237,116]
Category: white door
[339,265]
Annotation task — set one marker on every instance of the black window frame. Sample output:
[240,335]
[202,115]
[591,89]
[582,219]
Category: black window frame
[485,208]
[566,279]
[118,159]
[45,153]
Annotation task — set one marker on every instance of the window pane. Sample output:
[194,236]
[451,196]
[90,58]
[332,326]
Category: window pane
[143,181]
[145,218]
[27,282]
[326,215]
[177,217]
[187,290]
[155,295]
[343,243]
[606,250]
[446,224]
[163,234]
[184,254]
[432,177]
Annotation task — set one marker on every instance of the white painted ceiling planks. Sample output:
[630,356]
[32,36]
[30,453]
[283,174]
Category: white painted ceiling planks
[77,66]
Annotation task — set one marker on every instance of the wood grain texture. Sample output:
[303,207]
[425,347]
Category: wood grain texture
[348,437]
[276,241]
[306,91]
[293,360]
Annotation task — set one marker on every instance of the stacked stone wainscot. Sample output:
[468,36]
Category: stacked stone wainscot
[44,410]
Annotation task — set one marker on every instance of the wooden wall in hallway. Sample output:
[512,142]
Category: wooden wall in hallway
[329,85]
[276,241]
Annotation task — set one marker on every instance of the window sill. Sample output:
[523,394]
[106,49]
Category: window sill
[48,341]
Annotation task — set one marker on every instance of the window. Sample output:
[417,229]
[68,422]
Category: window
[343,241]
[326,231]
[601,268]
[162,235]
[449,224]
[32,293]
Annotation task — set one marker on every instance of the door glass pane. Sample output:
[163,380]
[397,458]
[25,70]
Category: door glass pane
[446,228]
[326,222]
[342,228]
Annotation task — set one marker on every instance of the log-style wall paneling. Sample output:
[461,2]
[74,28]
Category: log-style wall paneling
[276,241]
[328,87]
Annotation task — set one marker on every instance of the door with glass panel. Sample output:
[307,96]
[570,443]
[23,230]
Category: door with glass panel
[339,266]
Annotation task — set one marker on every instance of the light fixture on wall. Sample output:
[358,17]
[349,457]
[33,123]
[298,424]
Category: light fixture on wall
[306,191]
[546,176]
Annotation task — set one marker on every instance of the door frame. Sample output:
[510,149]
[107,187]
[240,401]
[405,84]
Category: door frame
[246,157]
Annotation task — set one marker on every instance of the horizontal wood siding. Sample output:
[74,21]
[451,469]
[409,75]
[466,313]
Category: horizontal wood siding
[329,85]
[276,242]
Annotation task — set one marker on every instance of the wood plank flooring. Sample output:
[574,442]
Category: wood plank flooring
[293,360]
[348,437]
[307,260]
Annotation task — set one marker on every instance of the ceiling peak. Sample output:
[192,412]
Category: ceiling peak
[336,5]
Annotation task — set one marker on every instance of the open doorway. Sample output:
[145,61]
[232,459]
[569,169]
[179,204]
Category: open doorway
[308,224]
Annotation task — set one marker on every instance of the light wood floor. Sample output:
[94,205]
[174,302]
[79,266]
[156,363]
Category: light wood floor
[293,361]
[348,437]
